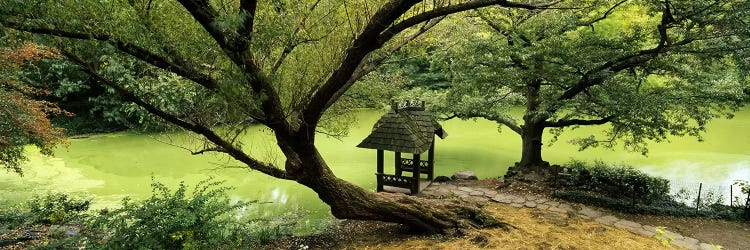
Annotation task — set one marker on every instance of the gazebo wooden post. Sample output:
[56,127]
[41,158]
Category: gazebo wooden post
[398,163]
[415,175]
[380,171]
[431,161]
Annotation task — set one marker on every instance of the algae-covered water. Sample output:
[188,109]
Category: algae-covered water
[109,167]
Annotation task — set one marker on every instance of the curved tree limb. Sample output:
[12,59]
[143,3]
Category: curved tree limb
[236,48]
[374,36]
[222,145]
[181,69]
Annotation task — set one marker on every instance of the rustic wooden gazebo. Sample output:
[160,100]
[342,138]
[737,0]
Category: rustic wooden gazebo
[405,129]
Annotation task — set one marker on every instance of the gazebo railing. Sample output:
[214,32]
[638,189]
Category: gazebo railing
[397,181]
[408,165]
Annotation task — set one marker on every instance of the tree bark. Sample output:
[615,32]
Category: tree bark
[534,122]
[531,149]
[348,201]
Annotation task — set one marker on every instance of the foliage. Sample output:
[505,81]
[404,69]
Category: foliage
[50,209]
[663,237]
[599,62]
[56,208]
[618,181]
[283,64]
[663,207]
[94,109]
[205,218]
[24,118]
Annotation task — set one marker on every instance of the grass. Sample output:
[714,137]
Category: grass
[532,231]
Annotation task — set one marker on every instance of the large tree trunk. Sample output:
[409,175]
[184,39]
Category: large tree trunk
[533,126]
[348,201]
[531,149]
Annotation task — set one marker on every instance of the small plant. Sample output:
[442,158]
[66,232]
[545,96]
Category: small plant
[716,247]
[663,236]
[204,219]
[56,208]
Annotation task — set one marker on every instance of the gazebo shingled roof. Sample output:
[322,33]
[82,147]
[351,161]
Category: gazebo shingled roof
[408,130]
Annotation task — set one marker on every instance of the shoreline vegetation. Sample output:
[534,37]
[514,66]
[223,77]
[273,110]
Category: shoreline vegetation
[207,218]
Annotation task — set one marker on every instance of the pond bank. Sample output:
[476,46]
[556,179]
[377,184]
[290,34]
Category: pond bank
[539,221]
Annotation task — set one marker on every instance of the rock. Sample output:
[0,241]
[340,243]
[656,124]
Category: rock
[643,232]
[459,192]
[531,198]
[590,212]
[490,193]
[626,224]
[649,228]
[542,206]
[673,235]
[519,200]
[557,209]
[516,205]
[530,204]
[464,175]
[441,179]
[688,243]
[476,193]
[607,219]
[566,207]
[466,189]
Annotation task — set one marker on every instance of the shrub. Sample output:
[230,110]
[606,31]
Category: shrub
[56,208]
[661,207]
[205,219]
[618,181]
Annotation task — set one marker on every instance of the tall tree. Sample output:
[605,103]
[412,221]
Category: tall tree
[282,63]
[648,69]
[23,117]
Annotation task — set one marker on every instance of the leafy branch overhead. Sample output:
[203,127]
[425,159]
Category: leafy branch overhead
[283,64]
[648,70]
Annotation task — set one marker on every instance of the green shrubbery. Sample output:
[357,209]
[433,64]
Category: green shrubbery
[618,181]
[626,189]
[50,209]
[202,217]
[662,207]
[56,208]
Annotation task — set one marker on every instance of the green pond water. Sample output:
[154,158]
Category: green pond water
[108,167]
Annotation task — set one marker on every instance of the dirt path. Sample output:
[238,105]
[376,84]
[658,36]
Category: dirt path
[469,193]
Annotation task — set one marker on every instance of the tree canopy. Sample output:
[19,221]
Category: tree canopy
[23,117]
[647,69]
[283,64]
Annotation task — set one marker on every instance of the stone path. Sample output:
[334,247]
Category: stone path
[479,194]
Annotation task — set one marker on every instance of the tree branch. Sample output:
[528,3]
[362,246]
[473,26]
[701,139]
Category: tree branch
[573,122]
[145,55]
[605,15]
[292,43]
[451,9]
[247,12]
[590,79]
[209,134]
[236,48]
[504,121]
[374,36]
